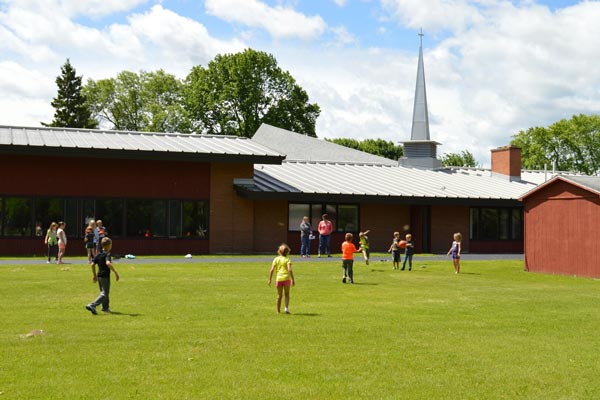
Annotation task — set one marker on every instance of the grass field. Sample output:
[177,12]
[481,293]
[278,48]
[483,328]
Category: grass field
[210,331]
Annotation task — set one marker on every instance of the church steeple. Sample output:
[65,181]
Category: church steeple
[420,122]
[420,151]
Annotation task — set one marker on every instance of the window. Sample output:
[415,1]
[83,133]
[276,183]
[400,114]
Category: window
[347,218]
[496,223]
[295,214]
[111,214]
[195,218]
[17,216]
[146,218]
[135,218]
[46,212]
[343,216]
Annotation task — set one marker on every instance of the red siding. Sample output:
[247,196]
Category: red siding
[562,231]
[89,177]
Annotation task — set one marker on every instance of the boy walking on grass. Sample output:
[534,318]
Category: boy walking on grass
[104,263]
[348,250]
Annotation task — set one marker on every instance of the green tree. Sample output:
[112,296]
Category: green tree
[567,145]
[238,92]
[148,101]
[462,159]
[70,103]
[378,147]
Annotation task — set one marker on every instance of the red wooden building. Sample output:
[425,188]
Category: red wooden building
[562,226]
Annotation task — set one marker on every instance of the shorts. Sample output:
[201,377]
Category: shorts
[62,246]
[91,245]
[455,256]
[283,283]
[396,255]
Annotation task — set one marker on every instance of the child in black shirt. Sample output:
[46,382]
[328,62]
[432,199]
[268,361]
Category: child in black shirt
[104,263]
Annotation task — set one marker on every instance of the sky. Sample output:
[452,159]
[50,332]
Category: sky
[492,67]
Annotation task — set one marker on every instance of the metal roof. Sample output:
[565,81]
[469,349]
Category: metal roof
[93,142]
[382,181]
[301,147]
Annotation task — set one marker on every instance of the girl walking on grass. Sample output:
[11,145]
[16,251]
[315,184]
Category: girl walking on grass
[455,251]
[284,278]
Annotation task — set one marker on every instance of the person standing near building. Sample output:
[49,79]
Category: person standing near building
[409,250]
[305,232]
[62,241]
[395,250]
[455,251]
[51,240]
[282,266]
[325,229]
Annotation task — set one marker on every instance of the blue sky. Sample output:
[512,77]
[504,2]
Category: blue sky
[492,67]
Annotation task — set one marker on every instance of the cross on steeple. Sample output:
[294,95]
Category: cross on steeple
[421,38]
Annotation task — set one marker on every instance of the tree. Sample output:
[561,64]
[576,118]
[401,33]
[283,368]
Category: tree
[148,101]
[567,145]
[238,92]
[462,159]
[72,109]
[378,147]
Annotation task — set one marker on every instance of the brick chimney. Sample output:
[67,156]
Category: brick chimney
[506,162]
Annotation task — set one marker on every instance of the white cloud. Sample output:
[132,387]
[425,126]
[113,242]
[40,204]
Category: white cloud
[340,3]
[435,15]
[279,21]
[342,36]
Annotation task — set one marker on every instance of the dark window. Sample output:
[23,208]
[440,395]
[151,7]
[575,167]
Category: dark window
[295,215]
[46,212]
[195,218]
[1,216]
[17,216]
[111,214]
[343,216]
[174,218]
[496,223]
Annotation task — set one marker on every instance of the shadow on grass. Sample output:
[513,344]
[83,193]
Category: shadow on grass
[306,314]
[125,314]
[365,284]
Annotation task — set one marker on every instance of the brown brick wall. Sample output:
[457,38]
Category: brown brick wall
[382,220]
[507,161]
[231,217]
[445,221]
[270,227]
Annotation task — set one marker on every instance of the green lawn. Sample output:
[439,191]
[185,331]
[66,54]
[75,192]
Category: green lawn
[209,331]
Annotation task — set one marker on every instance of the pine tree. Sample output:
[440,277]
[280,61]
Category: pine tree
[72,110]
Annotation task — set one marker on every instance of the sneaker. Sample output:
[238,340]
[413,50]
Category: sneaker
[344,280]
[107,310]
[352,281]
[91,309]
[287,311]
[47,262]
[328,255]
[318,256]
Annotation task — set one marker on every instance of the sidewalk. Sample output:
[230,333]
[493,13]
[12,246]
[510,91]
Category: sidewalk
[252,258]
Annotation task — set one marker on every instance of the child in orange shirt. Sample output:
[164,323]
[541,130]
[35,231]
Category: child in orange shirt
[348,250]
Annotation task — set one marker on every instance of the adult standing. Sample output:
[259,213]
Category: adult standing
[51,240]
[62,241]
[325,229]
[305,232]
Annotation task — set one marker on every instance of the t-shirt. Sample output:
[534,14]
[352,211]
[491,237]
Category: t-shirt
[281,267]
[364,242]
[348,250]
[52,238]
[325,228]
[100,260]
[62,237]
[409,250]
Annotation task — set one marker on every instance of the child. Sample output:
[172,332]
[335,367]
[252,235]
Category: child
[408,252]
[364,245]
[455,250]
[88,239]
[395,250]
[51,240]
[285,276]
[104,263]
[348,250]
[62,241]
